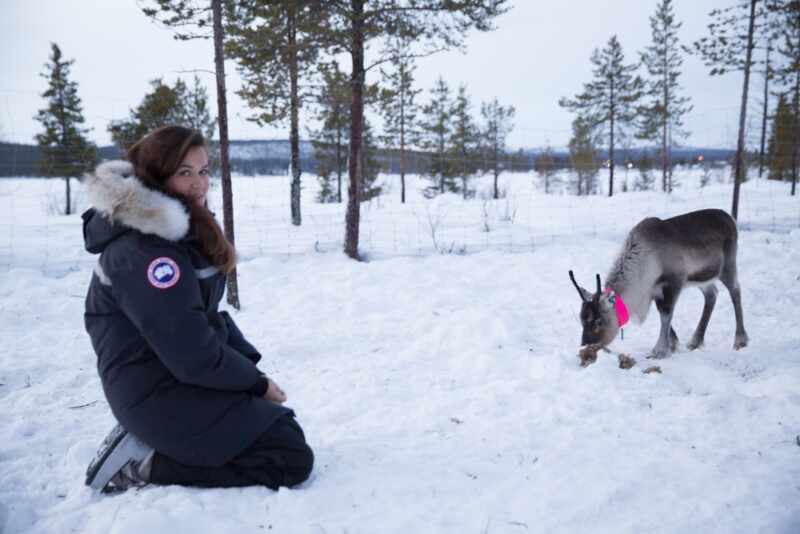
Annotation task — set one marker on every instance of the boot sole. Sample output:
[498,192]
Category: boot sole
[119,447]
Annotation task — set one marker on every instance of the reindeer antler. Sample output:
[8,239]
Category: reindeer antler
[598,284]
[580,291]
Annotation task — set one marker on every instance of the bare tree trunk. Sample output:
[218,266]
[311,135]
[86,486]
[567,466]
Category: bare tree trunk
[664,182]
[69,198]
[796,132]
[353,215]
[611,160]
[612,115]
[665,185]
[464,175]
[294,110]
[495,165]
[402,172]
[441,163]
[65,156]
[402,137]
[225,169]
[339,165]
[764,115]
[669,158]
[737,182]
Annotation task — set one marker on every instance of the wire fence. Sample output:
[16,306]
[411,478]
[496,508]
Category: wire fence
[34,233]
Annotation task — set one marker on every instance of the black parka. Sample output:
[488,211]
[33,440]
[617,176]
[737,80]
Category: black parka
[176,371]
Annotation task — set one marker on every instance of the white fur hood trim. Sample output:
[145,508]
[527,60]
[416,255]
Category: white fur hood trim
[121,197]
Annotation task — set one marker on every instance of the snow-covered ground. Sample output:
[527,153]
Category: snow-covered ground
[441,392]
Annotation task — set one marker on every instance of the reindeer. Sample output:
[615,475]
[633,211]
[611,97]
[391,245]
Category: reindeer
[658,260]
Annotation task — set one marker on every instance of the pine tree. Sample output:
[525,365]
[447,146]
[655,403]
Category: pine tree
[705,176]
[463,143]
[609,101]
[779,153]
[729,47]
[767,35]
[788,73]
[662,117]
[497,124]
[330,141]
[199,118]
[276,45]
[165,105]
[519,161]
[583,156]
[725,49]
[399,109]
[431,25]
[197,109]
[205,17]
[369,165]
[65,151]
[645,179]
[545,167]
[159,107]
[436,130]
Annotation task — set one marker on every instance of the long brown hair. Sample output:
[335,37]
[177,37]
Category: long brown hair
[156,157]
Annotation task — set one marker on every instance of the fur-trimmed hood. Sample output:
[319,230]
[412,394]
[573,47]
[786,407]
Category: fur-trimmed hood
[122,202]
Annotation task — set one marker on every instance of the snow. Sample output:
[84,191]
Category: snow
[441,392]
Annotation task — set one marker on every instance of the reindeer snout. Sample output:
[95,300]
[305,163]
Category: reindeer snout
[589,337]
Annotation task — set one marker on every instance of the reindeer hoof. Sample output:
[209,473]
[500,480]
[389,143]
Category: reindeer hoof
[695,344]
[740,342]
[658,354]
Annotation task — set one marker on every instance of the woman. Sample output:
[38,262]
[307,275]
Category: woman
[178,374]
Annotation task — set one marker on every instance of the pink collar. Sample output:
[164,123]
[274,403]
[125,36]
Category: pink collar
[619,306]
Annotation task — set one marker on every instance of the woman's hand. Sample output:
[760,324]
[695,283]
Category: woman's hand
[274,393]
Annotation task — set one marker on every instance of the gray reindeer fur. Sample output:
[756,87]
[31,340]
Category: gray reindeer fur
[658,260]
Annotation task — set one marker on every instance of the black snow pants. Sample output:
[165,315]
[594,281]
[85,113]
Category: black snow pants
[279,457]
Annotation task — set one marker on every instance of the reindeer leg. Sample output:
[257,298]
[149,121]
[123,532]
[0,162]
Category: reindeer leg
[673,340]
[741,339]
[710,294]
[729,278]
[667,338]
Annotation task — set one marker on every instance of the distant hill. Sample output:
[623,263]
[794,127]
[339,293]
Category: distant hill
[679,154]
[268,157]
[247,157]
[254,157]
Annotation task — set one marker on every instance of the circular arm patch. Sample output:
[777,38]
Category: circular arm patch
[163,273]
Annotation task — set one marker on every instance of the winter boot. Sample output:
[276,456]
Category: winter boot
[123,461]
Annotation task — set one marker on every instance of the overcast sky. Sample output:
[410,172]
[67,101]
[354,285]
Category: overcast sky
[539,52]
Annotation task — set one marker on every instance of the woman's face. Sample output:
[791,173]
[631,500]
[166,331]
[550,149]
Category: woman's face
[191,178]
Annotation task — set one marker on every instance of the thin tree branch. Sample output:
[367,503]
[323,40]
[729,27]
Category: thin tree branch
[408,56]
[194,71]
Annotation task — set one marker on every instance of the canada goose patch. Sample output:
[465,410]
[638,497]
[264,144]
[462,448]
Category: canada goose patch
[163,273]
